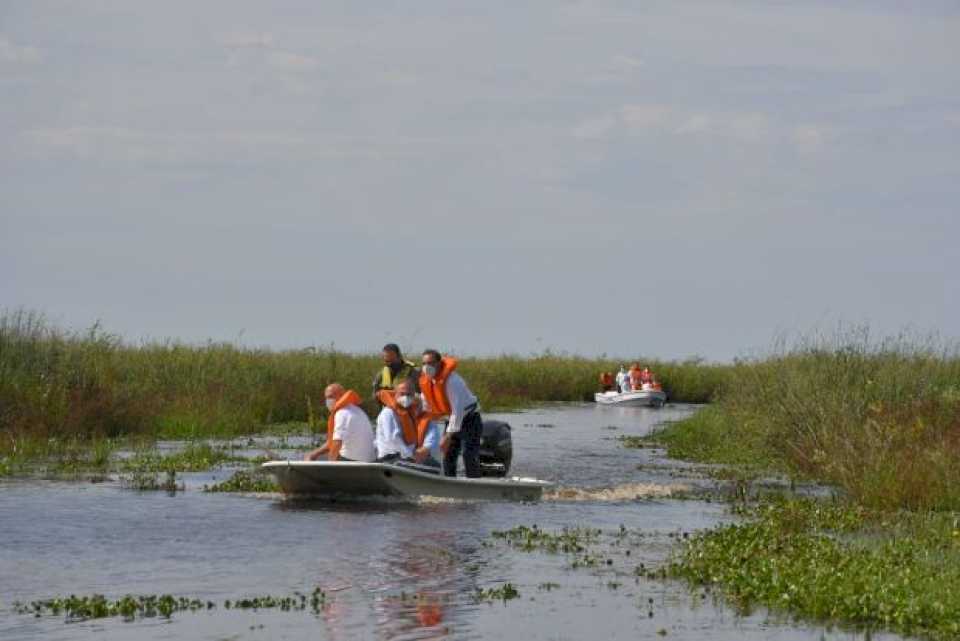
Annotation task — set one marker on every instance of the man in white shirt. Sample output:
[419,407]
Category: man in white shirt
[445,393]
[401,432]
[349,432]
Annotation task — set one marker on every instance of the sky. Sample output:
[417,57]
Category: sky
[670,179]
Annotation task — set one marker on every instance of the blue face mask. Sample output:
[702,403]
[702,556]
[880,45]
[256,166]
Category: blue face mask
[430,370]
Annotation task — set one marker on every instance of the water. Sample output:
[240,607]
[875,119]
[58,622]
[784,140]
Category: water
[391,570]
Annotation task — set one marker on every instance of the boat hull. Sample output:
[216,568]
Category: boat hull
[638,398]
[349,479]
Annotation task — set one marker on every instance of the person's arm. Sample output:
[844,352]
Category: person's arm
[376,384]
[459,397]
[335,450]
[430,441]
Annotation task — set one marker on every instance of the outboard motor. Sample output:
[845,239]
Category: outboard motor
[496,449]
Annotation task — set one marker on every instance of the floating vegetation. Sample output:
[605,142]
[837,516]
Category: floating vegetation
[130,607]
[833,562]
[568,540]
[548,586]
[503,593]
[195,457]
[149,481]
[245,481]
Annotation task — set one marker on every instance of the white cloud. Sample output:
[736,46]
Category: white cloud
[645,116]
[595,128]
[289,61]
[694,124]
[11,52]
[246,40]
[809,138]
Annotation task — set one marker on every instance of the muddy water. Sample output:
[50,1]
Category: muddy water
[392,571]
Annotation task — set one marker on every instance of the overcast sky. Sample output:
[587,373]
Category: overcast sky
[660,178]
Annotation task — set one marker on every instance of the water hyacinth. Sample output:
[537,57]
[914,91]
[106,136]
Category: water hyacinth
[835,563]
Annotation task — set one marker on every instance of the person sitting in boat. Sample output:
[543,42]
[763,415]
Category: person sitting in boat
[606,381]
[404,431]
[646,376]
[395,369]
[349,432]
[623,380]
[445,393]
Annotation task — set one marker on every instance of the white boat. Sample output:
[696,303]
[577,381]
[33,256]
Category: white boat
[351,479]
[636,398]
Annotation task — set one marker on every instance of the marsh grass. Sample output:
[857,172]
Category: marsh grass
[62,391]
[878,419]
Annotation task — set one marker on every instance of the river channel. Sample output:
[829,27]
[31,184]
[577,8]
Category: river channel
[389,570]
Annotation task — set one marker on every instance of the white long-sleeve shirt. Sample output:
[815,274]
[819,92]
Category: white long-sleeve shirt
[460,398]
[390,437]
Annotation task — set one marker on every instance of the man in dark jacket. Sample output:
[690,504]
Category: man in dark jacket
[395,369]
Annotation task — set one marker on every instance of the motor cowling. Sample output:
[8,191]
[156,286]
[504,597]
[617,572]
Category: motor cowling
[496,448]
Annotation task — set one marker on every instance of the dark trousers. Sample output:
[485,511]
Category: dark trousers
[468,439]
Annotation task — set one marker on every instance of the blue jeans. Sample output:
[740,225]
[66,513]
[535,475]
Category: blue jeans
[467,439]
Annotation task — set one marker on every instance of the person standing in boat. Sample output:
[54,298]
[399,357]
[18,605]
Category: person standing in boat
[635,376]
[349,432]
[623,380]
[445,393]
[395,369]
[404,431]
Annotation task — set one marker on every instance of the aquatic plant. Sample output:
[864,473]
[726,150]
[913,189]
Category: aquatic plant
[245,481]
[835,562]
[503,593]
[129,607]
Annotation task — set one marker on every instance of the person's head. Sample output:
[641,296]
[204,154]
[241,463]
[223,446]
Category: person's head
[405,395]
[432,362]
[332,394]
[635,366]
[391,354]
[623,368]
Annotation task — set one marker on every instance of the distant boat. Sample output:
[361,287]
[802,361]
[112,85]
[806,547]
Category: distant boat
[353,479]
[637,398]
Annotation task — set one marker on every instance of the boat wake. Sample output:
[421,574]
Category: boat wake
[626,492]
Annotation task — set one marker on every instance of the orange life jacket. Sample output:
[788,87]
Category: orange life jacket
[435,391]
[646,376]
[349,398]
[414,428]
[635,378]
[606,379]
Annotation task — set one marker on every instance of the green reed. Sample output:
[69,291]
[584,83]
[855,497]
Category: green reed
[878,419]
[60,388]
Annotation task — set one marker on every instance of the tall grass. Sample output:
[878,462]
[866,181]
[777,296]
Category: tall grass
[880,419]
[57,384]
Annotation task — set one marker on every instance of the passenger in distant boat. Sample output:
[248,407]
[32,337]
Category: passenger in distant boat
[445,393]
[395,369]
[349,432]
[623,380]
[646,376]
[404,431]
[606,381]
[635,383]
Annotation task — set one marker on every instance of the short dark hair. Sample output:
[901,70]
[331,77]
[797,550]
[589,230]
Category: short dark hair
[432,352]
[392,347]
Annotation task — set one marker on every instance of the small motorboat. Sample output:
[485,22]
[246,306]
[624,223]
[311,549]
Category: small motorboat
[649,397]
[404,479]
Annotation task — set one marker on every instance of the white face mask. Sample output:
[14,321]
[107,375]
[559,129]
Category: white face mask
[430,370]
[405,400]
[330,403]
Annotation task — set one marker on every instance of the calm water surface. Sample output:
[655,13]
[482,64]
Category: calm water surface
[392,570]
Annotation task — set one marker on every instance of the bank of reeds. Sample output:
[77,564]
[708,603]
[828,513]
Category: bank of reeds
[59,386]
[878,419]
